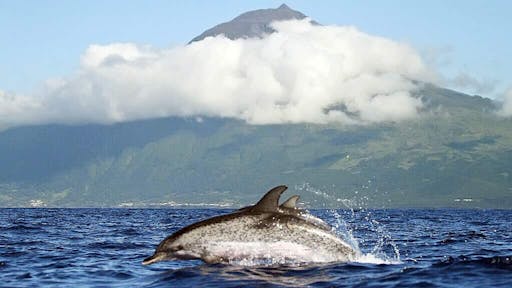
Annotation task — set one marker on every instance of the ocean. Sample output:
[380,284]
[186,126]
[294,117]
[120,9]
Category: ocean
[104,248]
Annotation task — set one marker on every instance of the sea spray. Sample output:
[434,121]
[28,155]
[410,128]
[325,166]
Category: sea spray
[356,216]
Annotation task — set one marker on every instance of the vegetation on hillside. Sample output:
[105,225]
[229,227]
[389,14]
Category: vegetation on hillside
[456,154]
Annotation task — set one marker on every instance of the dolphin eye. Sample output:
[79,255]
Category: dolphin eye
[177,248]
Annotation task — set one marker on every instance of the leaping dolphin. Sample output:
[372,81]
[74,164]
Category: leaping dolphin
[264,231]
[290,207]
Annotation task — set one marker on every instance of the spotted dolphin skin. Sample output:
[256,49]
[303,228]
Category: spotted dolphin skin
[264,231]
[290,207]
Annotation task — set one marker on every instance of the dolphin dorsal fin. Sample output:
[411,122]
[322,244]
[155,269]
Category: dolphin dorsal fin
[270,201]
[291,202]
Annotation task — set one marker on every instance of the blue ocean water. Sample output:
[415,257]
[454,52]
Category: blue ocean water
[105,247]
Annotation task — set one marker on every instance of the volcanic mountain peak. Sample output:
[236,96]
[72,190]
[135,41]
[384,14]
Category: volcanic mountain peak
[250,24]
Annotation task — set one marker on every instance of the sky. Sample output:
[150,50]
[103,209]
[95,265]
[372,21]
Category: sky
[467,43]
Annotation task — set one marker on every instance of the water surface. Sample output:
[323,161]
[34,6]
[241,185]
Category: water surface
[104,247]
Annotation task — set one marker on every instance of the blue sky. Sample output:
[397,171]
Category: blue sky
[468,40]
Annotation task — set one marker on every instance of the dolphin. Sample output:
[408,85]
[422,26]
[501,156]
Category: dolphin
[290,207]
[259,232]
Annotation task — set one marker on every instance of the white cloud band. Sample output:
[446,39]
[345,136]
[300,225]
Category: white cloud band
[301,73]
[506,108]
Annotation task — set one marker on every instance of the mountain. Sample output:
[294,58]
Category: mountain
[459,156]
[251,24]
[456,154]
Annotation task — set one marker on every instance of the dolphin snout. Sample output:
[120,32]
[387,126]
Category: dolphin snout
[157,257]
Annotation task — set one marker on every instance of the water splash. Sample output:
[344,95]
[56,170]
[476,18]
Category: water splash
[383,251]
[344,230]
[370,258]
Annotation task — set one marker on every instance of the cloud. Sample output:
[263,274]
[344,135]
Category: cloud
[301,73]
[506,108]
[440,58]
[466,81]
[18,110]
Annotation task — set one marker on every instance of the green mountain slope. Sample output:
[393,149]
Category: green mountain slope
[457,154]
